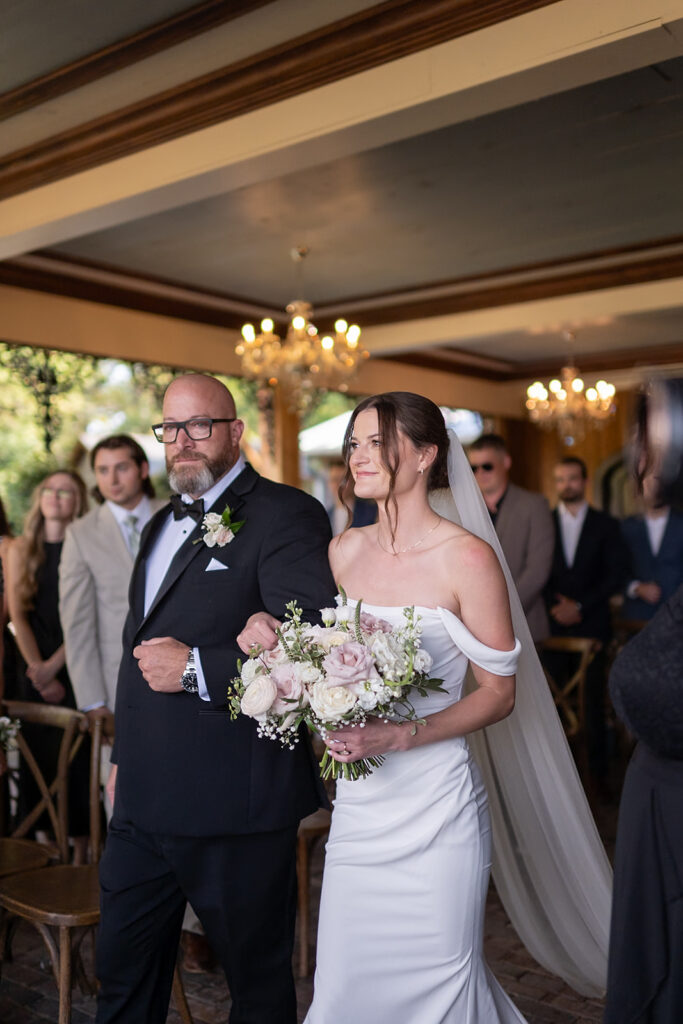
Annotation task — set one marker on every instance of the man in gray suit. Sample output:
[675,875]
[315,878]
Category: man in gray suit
[524,526]
[95,570]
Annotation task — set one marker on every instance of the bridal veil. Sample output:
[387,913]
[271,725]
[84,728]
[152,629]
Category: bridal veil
[549,865]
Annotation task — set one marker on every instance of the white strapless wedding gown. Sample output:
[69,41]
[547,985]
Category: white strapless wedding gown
[407,870]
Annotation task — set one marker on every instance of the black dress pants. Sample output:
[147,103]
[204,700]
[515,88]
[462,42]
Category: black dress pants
[243,889]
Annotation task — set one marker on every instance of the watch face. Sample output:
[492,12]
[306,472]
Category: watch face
[189,682]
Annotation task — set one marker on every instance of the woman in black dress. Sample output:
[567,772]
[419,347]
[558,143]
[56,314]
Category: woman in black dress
[32,589]
[645,979]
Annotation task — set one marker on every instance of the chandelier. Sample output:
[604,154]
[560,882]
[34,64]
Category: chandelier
[568,405]
[304,360]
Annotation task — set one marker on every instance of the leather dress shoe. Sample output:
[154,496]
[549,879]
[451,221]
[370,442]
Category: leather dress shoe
[197,956]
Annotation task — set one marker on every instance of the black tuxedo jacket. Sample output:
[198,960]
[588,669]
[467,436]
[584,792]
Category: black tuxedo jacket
[599,570]
[183,767]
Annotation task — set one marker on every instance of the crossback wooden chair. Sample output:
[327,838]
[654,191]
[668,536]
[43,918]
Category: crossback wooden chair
[569,693]
[60,901]
[313,828]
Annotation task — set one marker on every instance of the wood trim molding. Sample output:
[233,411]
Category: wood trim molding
[377,35]
[200,18]
[610,268]
[98,282]
[452,360]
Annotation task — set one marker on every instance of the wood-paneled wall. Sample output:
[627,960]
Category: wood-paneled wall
[535,451]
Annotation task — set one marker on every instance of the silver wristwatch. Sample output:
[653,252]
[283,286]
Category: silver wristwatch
[188,680]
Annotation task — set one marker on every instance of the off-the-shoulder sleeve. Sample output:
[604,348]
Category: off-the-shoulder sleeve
[502,663]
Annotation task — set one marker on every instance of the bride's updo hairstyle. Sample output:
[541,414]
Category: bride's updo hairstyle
[419,420]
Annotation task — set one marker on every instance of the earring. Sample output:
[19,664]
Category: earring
[421,471]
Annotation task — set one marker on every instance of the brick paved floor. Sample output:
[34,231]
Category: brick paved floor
[28,994]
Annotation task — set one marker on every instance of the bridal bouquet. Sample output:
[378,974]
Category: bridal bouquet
[334,675]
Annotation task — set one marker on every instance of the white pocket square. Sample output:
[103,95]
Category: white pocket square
[214,564]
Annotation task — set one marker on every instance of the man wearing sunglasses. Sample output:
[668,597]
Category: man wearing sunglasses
[204,810]
[524,526]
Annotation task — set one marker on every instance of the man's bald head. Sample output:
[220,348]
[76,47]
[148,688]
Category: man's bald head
[203,388]
[195,466]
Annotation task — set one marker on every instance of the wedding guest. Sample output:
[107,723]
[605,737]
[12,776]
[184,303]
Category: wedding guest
[655,543]
[33,565]
[203,810]
[589,567]
[645,981]
[524,526]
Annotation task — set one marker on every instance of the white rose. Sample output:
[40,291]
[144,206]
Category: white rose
[328,615]
[211,520]
[258,697]
[422,661]
[344,613]
[330,703]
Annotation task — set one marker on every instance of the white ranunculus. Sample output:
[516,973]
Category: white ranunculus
[422,661]
[251,669]
[330,703]
[258,697]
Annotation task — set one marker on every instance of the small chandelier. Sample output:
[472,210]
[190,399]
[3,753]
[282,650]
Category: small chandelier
[568,405]
[304,361]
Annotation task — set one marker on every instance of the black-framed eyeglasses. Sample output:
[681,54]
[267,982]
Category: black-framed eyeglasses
[486,466]
[199,428]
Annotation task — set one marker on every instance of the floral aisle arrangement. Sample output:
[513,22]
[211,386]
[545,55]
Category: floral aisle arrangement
[337,674]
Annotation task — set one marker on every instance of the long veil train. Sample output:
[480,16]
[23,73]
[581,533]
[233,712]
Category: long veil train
[549,865]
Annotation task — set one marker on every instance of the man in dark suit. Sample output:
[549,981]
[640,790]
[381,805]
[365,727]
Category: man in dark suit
[204,810]
[655,544]
[589,567]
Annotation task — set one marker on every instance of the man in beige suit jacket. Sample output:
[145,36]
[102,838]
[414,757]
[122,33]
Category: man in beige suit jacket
[524,526]
[95,569]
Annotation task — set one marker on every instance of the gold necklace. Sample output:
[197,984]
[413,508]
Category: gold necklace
[402,551]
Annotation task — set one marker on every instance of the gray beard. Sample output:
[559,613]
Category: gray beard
[195,478]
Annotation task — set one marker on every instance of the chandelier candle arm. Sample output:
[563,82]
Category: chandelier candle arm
[568,405]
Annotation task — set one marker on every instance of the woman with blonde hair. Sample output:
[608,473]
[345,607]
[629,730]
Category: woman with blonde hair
[32,590]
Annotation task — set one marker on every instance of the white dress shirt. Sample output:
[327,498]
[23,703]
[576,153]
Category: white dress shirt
[170,539]
[570,529]
[656,526]
[142,512]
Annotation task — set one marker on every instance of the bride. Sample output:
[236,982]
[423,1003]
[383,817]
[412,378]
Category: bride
[410,847]
[408,859]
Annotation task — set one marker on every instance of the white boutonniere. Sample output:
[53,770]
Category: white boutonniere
[219,530]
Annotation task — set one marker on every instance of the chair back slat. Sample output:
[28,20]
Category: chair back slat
[54,793]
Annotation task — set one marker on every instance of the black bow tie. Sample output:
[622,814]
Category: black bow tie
[181,508]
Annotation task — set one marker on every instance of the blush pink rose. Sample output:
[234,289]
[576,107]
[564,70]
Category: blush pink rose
[371,624]
[289,685]
[349,663]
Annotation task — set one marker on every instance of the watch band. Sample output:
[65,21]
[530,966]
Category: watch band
[188,680]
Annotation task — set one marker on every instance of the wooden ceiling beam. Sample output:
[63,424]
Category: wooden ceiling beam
[376,35]
[123,53]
